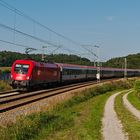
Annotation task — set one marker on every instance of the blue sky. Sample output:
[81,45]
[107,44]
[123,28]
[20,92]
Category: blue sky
[114,25]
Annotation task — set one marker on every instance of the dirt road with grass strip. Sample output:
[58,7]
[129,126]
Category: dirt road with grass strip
[130,107]
[112,127]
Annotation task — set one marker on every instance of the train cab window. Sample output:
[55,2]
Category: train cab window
[21,68]
[25,68]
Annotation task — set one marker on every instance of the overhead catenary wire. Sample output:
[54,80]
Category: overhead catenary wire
[13,9]
[31,36]
[25,46]
[27,35]
[16,44]
[11,43]
[19,12]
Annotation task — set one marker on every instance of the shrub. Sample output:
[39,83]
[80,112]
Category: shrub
[30,126]
[6,71]
[137,86]
[4,85]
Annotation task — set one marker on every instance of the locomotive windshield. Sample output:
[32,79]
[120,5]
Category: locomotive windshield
[21,68]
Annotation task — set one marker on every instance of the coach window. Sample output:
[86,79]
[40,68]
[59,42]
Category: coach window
[65,72]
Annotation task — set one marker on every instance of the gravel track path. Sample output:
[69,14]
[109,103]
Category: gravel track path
[112,127]
[130,107]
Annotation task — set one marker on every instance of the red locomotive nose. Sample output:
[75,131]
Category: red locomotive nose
[20,77]
[21,72]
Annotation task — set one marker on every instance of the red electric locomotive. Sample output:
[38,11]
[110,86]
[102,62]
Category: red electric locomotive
[29,73]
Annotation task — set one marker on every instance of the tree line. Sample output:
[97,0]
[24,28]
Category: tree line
[8,57]
[133,62]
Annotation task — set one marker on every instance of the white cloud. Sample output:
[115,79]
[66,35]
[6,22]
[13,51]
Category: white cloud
[110,18]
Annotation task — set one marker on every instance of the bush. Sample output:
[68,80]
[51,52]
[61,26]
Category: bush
[30,126]
[6,71]
[137,86]
[4,86]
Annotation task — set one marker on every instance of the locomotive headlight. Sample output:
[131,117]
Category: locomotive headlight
[27,77]
[11,76]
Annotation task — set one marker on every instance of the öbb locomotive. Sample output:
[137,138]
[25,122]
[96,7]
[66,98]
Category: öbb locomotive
[26,74]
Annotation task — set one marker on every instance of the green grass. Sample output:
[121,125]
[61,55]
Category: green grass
[134,99]
[5,68]
[78,118]
[4,86]
[130,123]
[137,86]
[86,121]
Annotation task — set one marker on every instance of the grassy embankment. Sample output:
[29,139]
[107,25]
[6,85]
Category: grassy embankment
[134,97]
[5,68]
[130,123]
[78,118]
[4,84]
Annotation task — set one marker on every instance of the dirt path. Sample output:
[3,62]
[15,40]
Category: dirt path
[130,107]
[112,128]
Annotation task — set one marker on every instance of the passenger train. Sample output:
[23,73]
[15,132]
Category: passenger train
[26,74]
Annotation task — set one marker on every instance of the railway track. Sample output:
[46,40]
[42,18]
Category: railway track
[8,93]
[16,100]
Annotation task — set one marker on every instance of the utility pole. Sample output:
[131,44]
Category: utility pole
[125,67]
[43,50]
[98,63]
[43,57]
[98,59]
[94,63]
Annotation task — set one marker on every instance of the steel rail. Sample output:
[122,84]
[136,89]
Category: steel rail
[8,93]
[24,99]
[12,98]
[15,103]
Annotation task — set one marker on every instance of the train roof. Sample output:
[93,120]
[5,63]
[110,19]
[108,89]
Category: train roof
[118,69]
[68,66]
[74,66]
[35,63]
[93,67]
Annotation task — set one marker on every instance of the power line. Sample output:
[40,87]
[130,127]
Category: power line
[33,37]
[27,35]
[8,6]
[16,44]
[11,43]
[17,11]
[28,47]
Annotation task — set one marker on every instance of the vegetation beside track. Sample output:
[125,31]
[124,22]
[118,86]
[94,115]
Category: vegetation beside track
[134,97]
[137,86]
[4,86]
[77,118]
[130,123]
[5,69]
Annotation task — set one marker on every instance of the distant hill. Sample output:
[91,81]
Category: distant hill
[7,58]
[133,62]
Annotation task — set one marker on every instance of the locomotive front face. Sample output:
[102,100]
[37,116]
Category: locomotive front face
[20,72]
[20,75]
